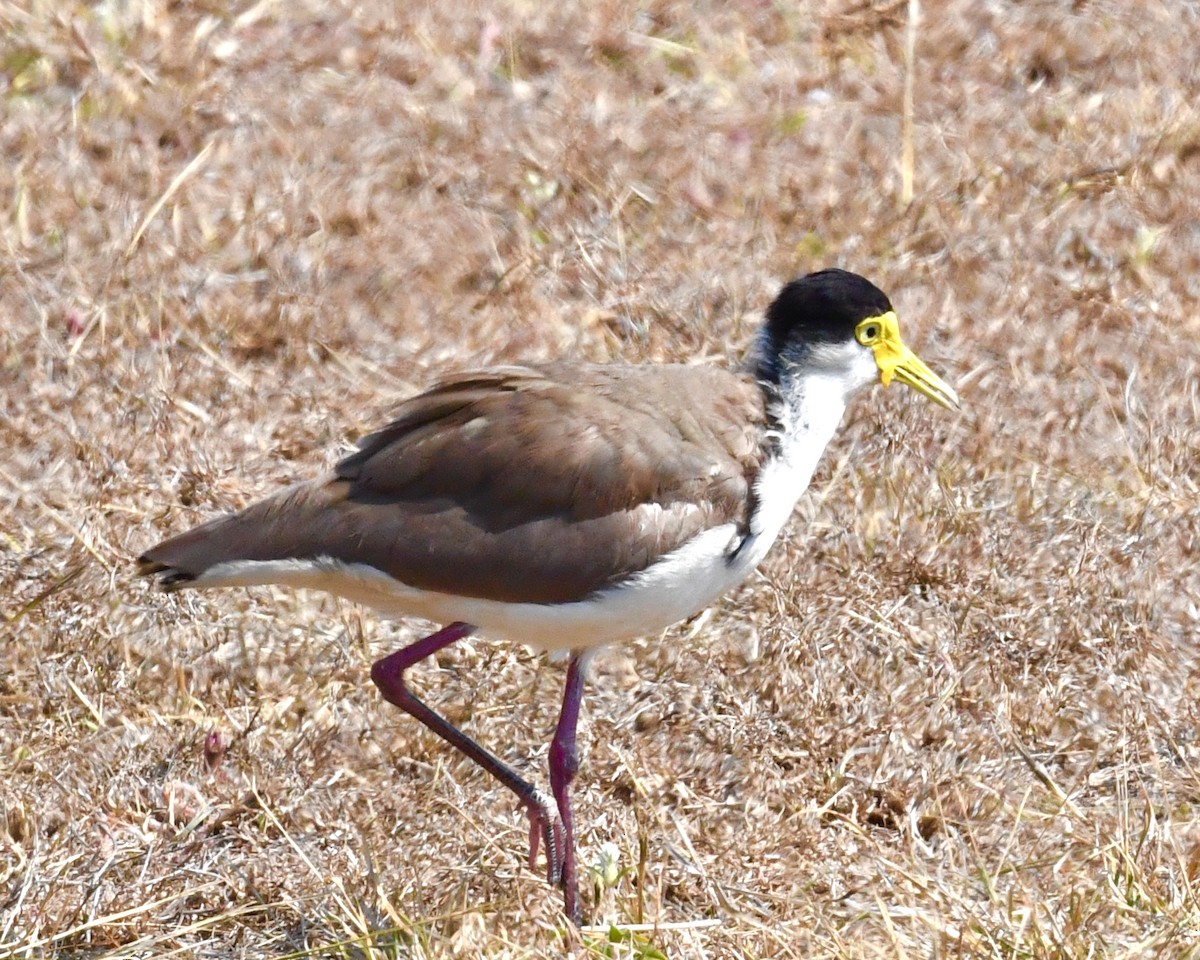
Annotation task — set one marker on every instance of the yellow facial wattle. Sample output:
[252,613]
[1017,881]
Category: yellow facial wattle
[896,361]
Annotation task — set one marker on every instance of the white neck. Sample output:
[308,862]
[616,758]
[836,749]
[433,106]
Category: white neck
[808,412]
[808,415]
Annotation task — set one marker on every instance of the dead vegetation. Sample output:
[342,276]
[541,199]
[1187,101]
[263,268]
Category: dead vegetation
[956,714]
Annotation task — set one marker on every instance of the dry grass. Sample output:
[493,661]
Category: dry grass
[957,714]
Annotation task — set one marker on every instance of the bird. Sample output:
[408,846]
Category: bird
[566,506]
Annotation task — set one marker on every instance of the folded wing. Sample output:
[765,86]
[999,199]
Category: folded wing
[521,484]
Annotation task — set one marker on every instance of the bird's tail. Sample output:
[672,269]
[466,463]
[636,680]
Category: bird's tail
[211,554]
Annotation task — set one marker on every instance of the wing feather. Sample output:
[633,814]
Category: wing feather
[525,484]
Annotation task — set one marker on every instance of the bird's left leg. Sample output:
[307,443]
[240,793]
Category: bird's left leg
[388,676]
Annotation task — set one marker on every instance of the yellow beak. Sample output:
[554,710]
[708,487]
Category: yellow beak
[898,361]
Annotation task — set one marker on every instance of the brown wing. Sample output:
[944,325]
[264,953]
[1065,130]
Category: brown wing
[538,485]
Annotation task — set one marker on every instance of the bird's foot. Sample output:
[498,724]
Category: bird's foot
[544,823]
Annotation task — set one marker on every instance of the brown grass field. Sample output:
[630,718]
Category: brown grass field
[957,711]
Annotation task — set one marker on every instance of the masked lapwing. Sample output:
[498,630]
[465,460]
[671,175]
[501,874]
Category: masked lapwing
[567,506]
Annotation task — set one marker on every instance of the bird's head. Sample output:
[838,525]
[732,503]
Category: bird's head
[838,324]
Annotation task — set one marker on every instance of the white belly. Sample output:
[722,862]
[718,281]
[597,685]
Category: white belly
[676,587]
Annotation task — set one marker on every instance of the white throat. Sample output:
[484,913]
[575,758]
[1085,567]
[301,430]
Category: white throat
[808,413]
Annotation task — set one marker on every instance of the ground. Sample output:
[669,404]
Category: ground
[956,712]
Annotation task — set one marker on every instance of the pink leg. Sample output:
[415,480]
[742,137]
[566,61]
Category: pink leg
[564,764]
[388,675]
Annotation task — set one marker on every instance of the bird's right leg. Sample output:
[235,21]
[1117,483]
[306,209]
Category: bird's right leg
[564,764]
[544,822]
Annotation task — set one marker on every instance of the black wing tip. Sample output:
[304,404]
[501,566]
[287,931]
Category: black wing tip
[167,578]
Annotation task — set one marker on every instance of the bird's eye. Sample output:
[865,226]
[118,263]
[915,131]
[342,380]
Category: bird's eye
[868,333]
